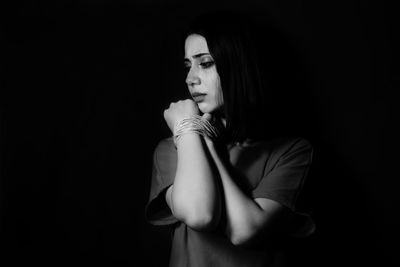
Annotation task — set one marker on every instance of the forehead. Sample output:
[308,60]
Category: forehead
[195,44]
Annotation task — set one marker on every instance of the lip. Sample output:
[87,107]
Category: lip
[198,97]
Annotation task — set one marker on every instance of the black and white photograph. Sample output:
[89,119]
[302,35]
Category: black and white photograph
[199,133]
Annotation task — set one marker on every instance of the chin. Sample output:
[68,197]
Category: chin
[204,108]
[212,109]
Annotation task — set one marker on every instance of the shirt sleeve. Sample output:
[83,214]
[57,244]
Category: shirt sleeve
[157,211]
[285,173]
[284,176]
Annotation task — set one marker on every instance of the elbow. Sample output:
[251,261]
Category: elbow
[243,237]
[204,222]
[240,239]
[197,217]
[198,220]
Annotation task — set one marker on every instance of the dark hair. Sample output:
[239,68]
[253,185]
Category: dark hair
[231,44]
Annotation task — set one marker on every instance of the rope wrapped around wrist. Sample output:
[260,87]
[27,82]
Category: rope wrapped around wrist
[195,124]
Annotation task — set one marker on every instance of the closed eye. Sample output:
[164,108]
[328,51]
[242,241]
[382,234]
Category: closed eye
[207,64]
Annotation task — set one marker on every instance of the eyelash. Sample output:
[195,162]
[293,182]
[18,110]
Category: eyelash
[207,64]
[204,65]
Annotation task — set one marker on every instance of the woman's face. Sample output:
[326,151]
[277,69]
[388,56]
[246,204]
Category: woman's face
[202,78]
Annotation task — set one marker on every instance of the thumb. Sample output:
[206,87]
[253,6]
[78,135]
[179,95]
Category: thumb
[207,116]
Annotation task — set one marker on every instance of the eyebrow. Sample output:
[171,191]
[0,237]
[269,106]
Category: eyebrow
[197,56]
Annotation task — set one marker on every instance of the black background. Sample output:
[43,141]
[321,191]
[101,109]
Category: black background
[83,90]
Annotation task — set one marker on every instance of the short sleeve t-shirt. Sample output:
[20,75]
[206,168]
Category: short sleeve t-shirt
[274,169]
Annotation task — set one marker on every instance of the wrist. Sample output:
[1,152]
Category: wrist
[187,137]
[195,124]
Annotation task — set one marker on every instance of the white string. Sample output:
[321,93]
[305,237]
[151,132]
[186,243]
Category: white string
[195,124]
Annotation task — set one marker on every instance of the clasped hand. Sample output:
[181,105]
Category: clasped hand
[181,110]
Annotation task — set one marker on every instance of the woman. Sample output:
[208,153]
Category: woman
[228,193]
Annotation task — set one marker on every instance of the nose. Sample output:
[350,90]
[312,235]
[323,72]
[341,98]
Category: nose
[192,77]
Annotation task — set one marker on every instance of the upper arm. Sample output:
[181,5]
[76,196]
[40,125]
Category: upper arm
[157,210]
[269,206]
[285,173]
[273,215]
[278,191]
[271,212]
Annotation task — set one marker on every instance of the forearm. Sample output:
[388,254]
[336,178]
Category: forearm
[195,197]
[244,217]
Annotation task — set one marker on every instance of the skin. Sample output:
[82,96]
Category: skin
[202,175]
[202,76]
[194,197]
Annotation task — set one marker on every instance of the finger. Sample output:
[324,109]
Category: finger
[207,116]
